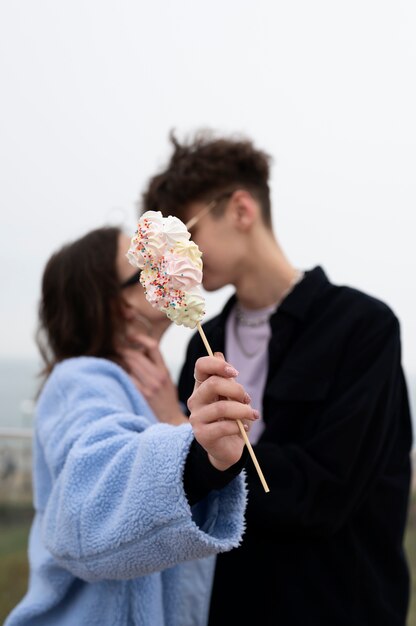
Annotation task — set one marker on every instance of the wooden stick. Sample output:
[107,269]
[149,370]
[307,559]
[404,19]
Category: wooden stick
[240,425]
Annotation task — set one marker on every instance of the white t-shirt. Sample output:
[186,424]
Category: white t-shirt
[247,337]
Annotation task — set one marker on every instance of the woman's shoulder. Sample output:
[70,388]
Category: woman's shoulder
[90,381]
[89,376]
[84,368]
[87,364]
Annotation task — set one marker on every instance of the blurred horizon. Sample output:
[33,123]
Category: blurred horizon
[18,385]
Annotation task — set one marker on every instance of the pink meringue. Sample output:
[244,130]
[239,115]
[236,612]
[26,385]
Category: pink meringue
[171,267]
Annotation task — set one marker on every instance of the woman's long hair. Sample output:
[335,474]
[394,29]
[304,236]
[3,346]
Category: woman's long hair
[79,310]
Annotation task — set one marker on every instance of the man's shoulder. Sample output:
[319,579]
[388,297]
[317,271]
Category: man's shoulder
[362,302]
[357,308]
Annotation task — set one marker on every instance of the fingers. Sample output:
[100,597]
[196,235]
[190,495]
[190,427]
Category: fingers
[216,428]
[223,410]
[215,388]
[209,434]
[207,366]
[150,375]
[220,400]
[145,344]
[151,347]
[148,348]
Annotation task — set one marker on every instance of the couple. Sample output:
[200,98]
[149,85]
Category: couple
[134,499]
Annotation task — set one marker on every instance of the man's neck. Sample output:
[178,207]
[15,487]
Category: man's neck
[267,278]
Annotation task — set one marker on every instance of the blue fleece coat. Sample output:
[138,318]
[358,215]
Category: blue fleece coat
[114,541]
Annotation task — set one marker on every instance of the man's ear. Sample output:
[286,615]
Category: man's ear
[244,209]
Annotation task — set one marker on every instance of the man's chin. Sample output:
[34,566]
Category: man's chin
[210,285]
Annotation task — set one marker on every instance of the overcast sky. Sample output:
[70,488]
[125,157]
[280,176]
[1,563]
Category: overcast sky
[91,89]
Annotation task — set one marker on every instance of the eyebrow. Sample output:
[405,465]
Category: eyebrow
[132,280]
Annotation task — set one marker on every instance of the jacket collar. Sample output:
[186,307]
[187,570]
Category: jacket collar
[298,302]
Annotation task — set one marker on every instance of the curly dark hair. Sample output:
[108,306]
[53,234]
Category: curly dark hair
[79,309]
[203,169]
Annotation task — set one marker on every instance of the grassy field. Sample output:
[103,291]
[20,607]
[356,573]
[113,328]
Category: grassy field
[14,528]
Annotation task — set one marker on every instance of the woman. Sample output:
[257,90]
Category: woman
[144,326]
[126,507]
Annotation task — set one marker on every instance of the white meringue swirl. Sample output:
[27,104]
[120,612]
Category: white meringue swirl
[171,267]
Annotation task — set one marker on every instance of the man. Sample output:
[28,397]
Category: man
[322,363]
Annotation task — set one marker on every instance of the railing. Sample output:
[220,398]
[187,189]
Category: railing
[16,433]
[15,465]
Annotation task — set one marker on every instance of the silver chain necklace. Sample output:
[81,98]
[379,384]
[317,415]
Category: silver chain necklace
[243,320]
[240,343]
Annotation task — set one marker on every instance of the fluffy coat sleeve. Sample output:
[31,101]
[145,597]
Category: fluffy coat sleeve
[115,505]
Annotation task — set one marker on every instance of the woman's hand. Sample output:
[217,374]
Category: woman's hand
[152,378]
[216,404]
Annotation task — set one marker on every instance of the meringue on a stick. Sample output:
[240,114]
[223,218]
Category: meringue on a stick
[171,276]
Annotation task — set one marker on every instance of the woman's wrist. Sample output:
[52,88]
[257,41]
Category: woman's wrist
[201,476]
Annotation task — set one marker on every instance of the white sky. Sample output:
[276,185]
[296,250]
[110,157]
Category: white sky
[90,90]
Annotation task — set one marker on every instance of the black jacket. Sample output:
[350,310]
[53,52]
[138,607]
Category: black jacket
[325,545]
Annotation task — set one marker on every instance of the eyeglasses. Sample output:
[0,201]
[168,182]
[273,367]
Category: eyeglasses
[191,223]
[133,280]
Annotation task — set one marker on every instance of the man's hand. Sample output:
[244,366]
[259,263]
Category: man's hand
[152,378]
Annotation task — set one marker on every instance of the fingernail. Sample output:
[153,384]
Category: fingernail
[247,398]
[256,414]
[245,427]
[231,371]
